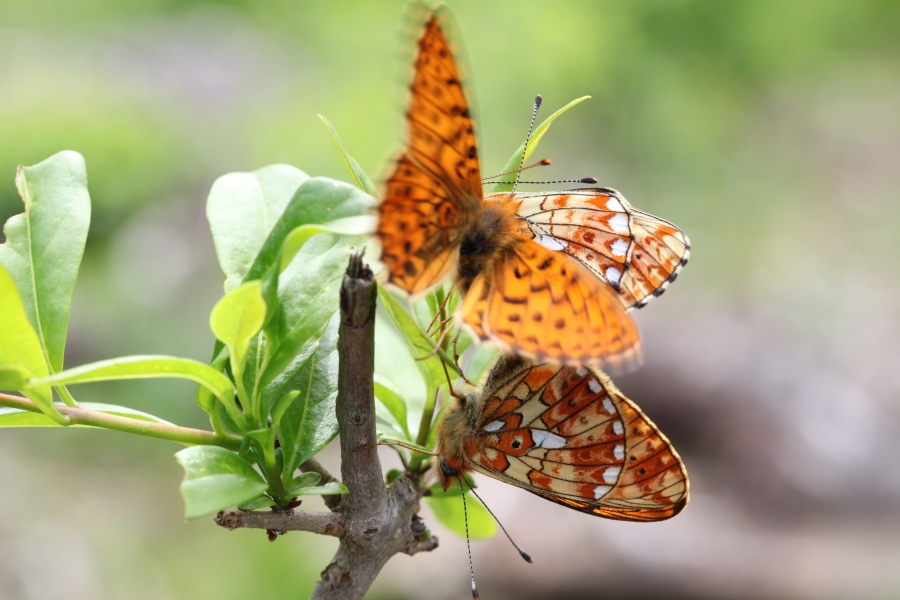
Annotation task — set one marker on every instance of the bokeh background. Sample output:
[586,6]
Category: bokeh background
[768,130]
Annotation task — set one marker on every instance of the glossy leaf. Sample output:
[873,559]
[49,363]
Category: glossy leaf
[242,208]
[305,480]
[505,183]
[262,501]
[308,422]
[216,479]
[448,510]
[359,176]
[12,377]
[20,348]
[390,407]
[420,345]
[236,318]
[329,489]
[44,245]
[318,200]
[308,298]
[143,367]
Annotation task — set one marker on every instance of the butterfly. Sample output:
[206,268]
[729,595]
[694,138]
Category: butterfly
[566,434]
[548,276]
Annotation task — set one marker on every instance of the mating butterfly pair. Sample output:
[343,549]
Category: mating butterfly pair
[547,276]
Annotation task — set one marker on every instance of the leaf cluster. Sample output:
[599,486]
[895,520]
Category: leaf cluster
[282,239]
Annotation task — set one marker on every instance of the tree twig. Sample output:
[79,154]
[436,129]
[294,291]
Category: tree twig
[380,521]
[323,523]
[80,415]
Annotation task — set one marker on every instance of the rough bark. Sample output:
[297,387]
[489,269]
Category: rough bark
[380,520]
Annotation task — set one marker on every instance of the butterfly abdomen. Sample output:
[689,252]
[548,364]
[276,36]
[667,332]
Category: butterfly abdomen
[492,231]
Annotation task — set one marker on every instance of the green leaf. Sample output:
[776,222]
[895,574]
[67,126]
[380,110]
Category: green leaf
[505,183]
[308,422]
[308,298]
[419,344]
[235,319]
[13,417]
[448,510]
[359,176]
[242,208]
[305,480]
[13,378]
[258,503]
[390,407]
[216,479]
[319,200]
[20,348]
[329,489]
[354,226]
[44,246]
[205,398]
[143,367]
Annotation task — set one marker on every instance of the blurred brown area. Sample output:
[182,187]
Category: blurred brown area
[767,130]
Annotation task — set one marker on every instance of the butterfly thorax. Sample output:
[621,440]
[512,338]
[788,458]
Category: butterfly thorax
[457,434]
[491,232]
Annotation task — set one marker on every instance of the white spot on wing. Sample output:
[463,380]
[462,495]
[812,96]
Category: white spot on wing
[619,247]
[494,426]
[608,406]
[551,243]
[581,371]
[613,204]
[619,451]
[613,274]
[600,491]
[618,428]
[594,385]
[611,474]
[619,223]
[544,439]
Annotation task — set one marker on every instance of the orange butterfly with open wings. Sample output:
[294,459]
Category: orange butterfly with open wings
[566,434]
[548,276]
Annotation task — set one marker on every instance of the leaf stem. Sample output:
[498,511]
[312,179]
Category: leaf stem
[65,395]
[78,415]
[415,462]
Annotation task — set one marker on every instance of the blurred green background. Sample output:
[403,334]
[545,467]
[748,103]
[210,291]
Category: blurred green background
[768,130]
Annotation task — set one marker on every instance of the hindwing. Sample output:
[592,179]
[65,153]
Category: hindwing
[636,253]
[567,434]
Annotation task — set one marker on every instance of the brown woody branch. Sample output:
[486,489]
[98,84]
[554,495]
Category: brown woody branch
[374,521]
[323,523]
[381,520]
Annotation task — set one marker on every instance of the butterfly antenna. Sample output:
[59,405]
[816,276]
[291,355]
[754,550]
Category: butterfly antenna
[590,180]
[522,553]
[541,163]
[462,491]
[537,105]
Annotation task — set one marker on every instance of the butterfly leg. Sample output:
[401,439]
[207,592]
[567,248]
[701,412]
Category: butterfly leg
[456,358]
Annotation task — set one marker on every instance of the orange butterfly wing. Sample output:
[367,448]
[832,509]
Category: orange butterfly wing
[435,188]
[567,434]
[543,304]
[635,252]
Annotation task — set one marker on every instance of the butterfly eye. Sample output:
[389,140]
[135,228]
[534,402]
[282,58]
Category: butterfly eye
[447,470]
